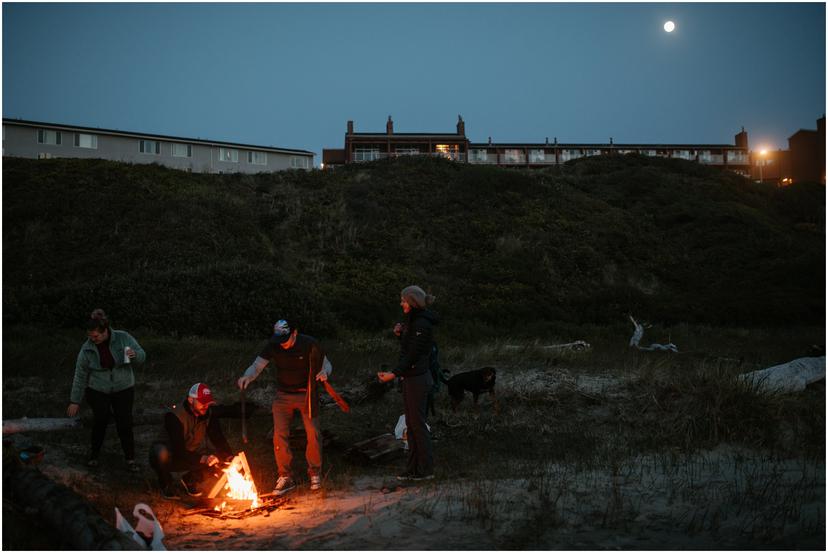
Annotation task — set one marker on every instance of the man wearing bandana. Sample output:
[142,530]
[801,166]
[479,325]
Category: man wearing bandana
[299,362]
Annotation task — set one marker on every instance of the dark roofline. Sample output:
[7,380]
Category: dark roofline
[61,126]
[408,134]
[604,146]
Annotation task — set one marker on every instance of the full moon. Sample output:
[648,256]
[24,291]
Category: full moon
[669,26]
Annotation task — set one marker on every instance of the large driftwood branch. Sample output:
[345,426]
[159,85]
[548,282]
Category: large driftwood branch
[792,376]
[14,426]
[144,417]
[60,508]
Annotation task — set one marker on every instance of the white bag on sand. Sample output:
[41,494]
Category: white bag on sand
[147,533]
[400,431]
[792,376]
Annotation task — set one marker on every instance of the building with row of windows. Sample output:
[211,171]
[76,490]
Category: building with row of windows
[38,140]
[803,161]
[369,146]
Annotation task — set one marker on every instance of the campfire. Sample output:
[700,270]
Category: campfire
[234,494]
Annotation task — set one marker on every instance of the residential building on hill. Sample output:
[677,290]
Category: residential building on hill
[38,140]
[803,161]
[369,146]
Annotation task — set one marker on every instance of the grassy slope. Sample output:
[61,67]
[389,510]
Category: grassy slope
[225,254]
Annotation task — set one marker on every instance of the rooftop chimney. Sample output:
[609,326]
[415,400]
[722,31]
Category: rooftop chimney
[547,141]
[742,139]
[490,141]
[461,126]
[389,126]
[350,127]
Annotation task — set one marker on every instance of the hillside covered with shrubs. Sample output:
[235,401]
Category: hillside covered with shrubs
[503,250]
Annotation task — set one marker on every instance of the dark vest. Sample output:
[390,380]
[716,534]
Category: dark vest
[195,428]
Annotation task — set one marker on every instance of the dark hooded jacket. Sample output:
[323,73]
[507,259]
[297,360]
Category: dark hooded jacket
[415,343]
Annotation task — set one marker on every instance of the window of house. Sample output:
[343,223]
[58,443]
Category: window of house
[512,156]
[83,140]
[257,158]
[150,147]
[182,150]
[48,137]
[366,154]
[407,151]
[478,155]
[229,154]
[537,156]
[298,162]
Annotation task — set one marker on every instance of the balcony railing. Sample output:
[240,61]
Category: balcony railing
[372,156]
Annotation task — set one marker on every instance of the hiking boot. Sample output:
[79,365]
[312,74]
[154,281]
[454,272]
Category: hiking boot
[407,475]
[315,482]
[283,485]
[170,493]
[132,466]
[192,489]
[418,477]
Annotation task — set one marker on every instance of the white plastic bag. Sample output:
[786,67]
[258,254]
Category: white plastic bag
[401,432]
[147,531]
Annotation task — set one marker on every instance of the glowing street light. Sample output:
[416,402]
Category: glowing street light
[762,153]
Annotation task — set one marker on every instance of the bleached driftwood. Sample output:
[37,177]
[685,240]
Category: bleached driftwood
[61,509]
[577,345]
[638,333]
[792,376]
[14,426]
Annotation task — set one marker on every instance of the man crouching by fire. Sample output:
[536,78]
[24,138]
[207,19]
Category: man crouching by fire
[299,362]
[188,426]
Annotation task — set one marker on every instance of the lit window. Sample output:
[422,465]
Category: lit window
[257,158]
[150,147]
[48,137]
[229,155]
[298,162]
[86,141]
[182,150]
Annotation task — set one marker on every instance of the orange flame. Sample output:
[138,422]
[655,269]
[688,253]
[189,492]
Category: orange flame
[240,486]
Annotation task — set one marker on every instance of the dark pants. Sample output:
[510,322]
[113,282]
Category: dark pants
[164,464]
[117,405]
[283,408]
[415,400]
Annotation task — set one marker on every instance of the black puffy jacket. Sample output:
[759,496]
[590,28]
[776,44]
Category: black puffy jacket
[415,343]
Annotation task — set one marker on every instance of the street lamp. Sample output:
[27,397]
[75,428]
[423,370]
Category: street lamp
[762,154]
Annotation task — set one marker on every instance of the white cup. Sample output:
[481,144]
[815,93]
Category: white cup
[126,354]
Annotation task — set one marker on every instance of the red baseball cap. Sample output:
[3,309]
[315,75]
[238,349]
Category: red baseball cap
[202,393]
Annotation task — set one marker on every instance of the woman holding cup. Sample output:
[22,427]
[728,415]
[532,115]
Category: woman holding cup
[104,375]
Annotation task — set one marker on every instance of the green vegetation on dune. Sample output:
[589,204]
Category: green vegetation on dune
[222,255]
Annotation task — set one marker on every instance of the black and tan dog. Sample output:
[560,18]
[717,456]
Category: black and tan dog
[476,382]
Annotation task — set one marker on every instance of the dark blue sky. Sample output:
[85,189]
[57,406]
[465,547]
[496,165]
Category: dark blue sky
[291,75]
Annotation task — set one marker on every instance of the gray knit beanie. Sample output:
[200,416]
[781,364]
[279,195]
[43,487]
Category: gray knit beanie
[416,297]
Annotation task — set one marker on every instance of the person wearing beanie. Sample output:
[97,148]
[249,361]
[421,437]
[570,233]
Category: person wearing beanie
[104,376]
[183,448]
[300,363]
[416,342]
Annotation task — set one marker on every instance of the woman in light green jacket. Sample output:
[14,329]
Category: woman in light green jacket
[104,375]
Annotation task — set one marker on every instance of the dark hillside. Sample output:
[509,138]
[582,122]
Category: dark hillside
[502,249]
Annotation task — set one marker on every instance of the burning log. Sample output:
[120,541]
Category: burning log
[60,508]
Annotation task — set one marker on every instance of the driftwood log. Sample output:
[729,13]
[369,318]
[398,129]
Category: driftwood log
[14,426]
[143,417]
[68,514]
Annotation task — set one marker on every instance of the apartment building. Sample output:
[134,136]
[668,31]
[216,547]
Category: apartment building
[39,140]
[369,146]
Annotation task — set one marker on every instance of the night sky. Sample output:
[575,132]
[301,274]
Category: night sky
[291,75]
